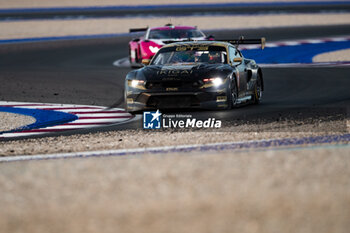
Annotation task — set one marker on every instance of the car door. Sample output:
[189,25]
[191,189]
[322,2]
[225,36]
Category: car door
[241,71]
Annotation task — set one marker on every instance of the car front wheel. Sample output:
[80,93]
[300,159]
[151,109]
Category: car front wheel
[257,90]
[232,95]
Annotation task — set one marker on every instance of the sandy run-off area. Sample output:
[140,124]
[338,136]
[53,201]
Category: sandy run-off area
[10,121]
[49,28]
[258,192]
[129,139]
[69,3]
[341,55]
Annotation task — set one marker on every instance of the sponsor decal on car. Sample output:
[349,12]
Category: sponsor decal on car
[174,72]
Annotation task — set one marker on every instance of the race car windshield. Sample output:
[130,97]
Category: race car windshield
[174,34]
[191,54]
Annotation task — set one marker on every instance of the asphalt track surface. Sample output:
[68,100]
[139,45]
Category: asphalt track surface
[81,72]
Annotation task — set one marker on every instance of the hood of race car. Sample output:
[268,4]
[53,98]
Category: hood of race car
[193,71]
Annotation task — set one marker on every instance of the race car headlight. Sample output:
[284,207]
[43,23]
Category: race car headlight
[154,49]
[135,83]
[215,81]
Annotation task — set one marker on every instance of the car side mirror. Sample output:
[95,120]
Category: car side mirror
[237,60]
[145,62]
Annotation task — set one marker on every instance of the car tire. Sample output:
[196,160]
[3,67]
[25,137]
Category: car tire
[137,60]
[125,102]
[232,94]
[257,90]
[136,63]
[130,59]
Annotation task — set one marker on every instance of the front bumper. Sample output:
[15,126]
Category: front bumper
[176,100]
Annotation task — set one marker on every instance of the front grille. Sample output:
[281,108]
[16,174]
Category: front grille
[183,101]
[177,84]
[172,84]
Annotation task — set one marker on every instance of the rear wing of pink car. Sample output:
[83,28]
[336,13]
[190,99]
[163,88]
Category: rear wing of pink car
[138,29]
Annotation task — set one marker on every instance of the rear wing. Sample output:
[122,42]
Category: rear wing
[138,29]
[241,40]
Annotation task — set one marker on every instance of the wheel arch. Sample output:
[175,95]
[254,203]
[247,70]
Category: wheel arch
[233,76]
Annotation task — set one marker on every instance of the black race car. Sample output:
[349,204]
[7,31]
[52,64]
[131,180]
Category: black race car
[195,74]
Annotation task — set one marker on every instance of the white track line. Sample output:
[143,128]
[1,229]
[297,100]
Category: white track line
[110,152]
[284,143]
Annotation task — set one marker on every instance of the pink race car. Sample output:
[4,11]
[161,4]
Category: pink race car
[145,47]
